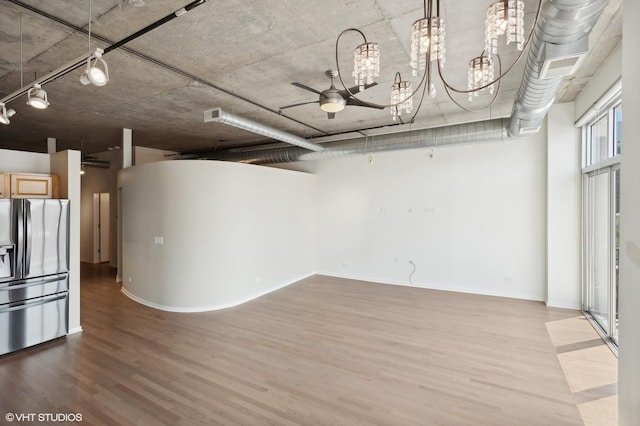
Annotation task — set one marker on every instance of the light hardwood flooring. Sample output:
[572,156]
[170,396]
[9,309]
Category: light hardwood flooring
[324,351]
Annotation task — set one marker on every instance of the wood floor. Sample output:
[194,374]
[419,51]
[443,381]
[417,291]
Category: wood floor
[324,351]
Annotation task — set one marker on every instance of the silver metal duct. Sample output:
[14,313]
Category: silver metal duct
[563,26]
[561,22]
[482,131]
[218,115]
[102,164]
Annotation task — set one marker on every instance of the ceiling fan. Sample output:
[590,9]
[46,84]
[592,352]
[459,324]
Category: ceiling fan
[333,100]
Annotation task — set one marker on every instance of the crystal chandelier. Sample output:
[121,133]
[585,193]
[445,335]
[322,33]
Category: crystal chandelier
[480,75]
[401,97]
[504,17]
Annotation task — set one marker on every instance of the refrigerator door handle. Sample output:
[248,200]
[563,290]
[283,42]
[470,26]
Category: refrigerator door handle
[27,241]
[18,284]
[19,224]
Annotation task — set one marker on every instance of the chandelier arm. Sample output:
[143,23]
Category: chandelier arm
[501,75]
[353,95]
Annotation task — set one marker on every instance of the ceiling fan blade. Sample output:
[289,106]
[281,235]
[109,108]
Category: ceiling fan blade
[331,115]
[302,86]
[301,103]
[355,89]
[357,102]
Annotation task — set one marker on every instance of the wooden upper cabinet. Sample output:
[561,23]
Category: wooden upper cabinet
[27,185]
[5,185]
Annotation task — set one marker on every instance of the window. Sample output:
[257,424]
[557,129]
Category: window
[602,147]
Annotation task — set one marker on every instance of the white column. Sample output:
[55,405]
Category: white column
[629,344]
[51,146]
[66,164]
[126,148]
[563,208]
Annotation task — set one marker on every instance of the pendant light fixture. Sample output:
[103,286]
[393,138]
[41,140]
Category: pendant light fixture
[401,97]
[480,75]
[366,63]
[504,17]
[92,73]
[427,41]
[5,114]
[37,97]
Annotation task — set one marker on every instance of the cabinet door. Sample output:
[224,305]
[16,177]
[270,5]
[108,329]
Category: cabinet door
[5,185]
[33,186]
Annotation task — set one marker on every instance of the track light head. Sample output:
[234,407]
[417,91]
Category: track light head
[5,114]
[94,75]
[37,97]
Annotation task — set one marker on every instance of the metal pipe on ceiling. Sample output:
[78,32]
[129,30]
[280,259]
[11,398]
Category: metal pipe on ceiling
[482,131]
[219,116]
[561,22]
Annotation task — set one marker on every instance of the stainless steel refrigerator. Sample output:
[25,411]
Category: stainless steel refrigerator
[34,272]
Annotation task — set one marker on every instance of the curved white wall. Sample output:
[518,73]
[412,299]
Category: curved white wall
[231,232]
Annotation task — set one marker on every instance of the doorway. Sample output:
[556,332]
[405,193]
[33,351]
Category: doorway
[101,243]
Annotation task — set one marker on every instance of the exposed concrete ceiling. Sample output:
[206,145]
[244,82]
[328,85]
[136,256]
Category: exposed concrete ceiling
[241,56]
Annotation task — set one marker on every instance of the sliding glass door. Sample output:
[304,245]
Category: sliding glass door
[601,218]
[601,251]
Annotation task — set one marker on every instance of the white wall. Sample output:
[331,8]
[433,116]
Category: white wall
[143,155]
[563,208]
[231,232]
[472,218]
[629,344]
[24,162]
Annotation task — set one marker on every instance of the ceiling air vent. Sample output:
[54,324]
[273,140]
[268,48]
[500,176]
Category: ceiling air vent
[561,60]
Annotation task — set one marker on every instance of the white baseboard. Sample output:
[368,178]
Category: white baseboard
[214,307]
[75,330]
[563,305]
[434,286]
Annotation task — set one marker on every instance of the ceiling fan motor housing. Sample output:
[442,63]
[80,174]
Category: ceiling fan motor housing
[332,101]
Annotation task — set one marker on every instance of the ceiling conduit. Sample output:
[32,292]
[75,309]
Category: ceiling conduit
[561,23]
[488,131]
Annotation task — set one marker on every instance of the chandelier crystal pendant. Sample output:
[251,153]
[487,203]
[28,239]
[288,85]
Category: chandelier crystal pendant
[427,39]
[401,97]
[504,17]
[480,74]
[515,23]
[366,64]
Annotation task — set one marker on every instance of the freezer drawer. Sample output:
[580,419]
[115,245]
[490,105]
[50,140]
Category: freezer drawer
[27,323]
[18,290]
